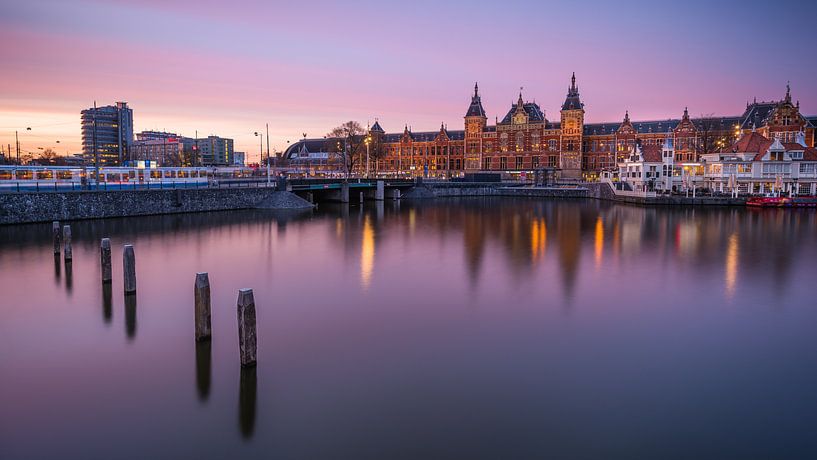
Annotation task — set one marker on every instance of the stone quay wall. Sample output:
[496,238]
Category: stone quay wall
[466,189]
[603,191]
[19,208]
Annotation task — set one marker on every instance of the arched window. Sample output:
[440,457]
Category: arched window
[520,141]
[503,142]
[535,143]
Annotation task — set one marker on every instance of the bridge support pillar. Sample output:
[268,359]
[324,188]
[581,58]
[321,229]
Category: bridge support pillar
[393,193]
[344,192]
[379,193]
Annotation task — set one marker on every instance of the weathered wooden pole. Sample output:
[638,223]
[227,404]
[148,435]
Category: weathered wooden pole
[55,232]
[66,237]
[105,260]
[201,293]
[246,327]
[129,269]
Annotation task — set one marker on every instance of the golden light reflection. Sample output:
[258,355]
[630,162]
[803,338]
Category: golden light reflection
[732,254]
[412,221]
[599,241]
[538,239]
[338,227]
[367,253]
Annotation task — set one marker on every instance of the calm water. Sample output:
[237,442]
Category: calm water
[461,329]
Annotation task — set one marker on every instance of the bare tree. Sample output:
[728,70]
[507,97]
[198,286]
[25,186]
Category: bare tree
[712,135]
[47,157]
[347,142]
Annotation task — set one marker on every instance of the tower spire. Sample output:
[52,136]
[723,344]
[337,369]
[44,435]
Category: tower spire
[573,83]
[476,89]
[788,92]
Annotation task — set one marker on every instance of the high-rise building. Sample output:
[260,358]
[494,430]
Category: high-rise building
[108,132]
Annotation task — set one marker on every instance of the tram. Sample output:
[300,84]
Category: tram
[61,178]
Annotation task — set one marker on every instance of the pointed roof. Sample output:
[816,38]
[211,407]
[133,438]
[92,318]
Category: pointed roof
[376,128]
[751,143]
[573,101]
[475,109]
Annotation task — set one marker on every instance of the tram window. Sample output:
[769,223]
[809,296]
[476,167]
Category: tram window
[132,174]
[155,174]
[5,175]
[182,173]
[112,177]
[64,175]
[24,174]
[170,174]
[194,174]
[44,175]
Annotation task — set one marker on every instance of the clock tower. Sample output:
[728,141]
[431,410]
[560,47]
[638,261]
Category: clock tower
[572,128]
[475,121]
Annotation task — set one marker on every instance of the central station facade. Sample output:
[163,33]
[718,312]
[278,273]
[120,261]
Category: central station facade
[525,140]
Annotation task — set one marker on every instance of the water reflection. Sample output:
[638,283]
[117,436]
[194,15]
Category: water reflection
[57,266]
[130,315]
[599,242]
[732,253]
[107,303]
[247,387]
[366,253]
[69,276]
[203,368]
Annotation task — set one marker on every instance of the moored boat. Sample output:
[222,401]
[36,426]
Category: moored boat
[782,201]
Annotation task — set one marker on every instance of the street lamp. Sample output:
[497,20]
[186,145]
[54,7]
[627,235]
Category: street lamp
[261,156]
[367,141]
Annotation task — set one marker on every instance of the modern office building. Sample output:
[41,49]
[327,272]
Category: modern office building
[108,132]
[164,149]
[215,151]
[239,158]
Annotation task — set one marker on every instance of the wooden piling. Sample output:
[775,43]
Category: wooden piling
[55,233]
[105,260]
[66,237]
[246,327]
[129,269]
[201,293]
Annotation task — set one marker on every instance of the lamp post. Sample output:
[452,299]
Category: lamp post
[367,141]
[261,147]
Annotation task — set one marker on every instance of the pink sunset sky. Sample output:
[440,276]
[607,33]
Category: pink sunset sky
[227,68]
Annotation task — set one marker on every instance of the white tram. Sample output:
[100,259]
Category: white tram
[45,178]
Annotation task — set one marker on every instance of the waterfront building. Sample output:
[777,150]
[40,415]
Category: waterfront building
[526,140]
[757,164]
[171,149]
[651,167]
[108,132]
[215,151]
[239,158]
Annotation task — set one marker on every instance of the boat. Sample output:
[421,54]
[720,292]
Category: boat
[771,201]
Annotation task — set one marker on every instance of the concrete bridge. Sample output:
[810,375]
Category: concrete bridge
[339,190]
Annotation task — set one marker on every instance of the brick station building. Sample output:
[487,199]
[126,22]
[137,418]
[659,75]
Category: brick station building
[525,139]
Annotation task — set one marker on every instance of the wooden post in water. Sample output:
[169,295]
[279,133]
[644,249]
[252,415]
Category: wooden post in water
[105,259]
[201,293]
[55,232]
[129,269]
[246,327]
[66,237]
